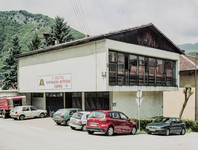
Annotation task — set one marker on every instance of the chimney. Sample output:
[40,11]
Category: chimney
[86,36]
[56,42]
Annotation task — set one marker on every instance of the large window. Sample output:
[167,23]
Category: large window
[131,69]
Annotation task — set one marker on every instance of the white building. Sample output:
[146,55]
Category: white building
[103,72]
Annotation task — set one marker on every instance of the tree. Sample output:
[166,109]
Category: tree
[187,92]
[10,66]
[35,43]
[59,31]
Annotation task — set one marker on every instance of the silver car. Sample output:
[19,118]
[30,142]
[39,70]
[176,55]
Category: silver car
[79,120]
[23,112]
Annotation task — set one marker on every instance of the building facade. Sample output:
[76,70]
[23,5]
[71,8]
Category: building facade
[103,72]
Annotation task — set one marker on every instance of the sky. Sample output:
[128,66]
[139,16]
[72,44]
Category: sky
[177,19]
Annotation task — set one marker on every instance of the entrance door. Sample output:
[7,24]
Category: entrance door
[97,101]
[54,101]
[73,100]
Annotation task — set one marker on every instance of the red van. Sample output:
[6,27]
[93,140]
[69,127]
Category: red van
[7,103]
[110,122]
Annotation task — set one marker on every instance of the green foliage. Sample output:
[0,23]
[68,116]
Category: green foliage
[36,43]
[189,123]
[143,122]
[24,24]
[10,66]
[59,31]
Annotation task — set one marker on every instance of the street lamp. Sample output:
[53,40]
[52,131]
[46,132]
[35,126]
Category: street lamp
[196,86]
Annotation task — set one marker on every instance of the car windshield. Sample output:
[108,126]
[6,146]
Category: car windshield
[97,115]
[60,111]
[165,120]
[77,115]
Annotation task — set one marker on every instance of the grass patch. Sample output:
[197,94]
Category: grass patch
[188,130]
[141,132]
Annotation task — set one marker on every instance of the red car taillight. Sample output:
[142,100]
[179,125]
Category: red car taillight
[80,122]
[62,116]
[16,112]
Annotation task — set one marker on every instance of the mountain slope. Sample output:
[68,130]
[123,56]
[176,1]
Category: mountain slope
[190,49]
[24,24]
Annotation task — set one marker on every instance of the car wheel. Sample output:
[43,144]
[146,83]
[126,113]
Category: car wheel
[167,132]
[42,115]
[21,117]
[3,115]
[66,122]
[133,131]
[58,123]
[90,132]
[110,131]
[72,127]
[183,131]
[84,128]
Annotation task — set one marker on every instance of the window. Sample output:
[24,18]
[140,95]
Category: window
[130,69]
[33,108]
[72,112]
[133,70]
[178,120]
[26,109]
[122,116]
[121,69]
[37,94]
[114,115]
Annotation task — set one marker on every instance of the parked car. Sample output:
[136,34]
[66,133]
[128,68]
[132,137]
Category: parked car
[8,103]
[79,120]
[110,122]
[166,125]
[63,115]
[23,112]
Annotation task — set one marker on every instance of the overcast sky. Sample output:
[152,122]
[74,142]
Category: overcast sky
[177,19]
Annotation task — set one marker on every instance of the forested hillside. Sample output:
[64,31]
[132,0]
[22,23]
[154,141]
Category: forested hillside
[24,24]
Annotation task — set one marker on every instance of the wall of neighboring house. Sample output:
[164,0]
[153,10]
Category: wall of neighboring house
[152,104]
[173,100]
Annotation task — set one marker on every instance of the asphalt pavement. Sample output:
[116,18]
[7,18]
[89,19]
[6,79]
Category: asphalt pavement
[44,134]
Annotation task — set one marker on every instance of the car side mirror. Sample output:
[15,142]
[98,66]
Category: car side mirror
[52,112]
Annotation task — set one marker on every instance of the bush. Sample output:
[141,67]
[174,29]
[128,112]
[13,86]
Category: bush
[194,128]
[190,124]
[143,122]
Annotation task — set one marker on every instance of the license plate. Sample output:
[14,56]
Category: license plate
[93,124]
[151,129]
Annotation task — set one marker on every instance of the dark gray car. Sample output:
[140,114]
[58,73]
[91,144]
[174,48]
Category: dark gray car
[63,115]
[166,125]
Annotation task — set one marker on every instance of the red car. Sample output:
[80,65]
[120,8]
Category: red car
[110,122]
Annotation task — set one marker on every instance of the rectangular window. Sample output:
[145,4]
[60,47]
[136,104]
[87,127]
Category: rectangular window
[121,69]
[131,69]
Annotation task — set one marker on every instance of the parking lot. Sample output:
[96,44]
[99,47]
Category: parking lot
[44,134]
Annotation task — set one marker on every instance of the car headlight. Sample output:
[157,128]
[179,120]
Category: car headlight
[147,127]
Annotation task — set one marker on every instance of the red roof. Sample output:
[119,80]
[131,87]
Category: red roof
[187,62]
